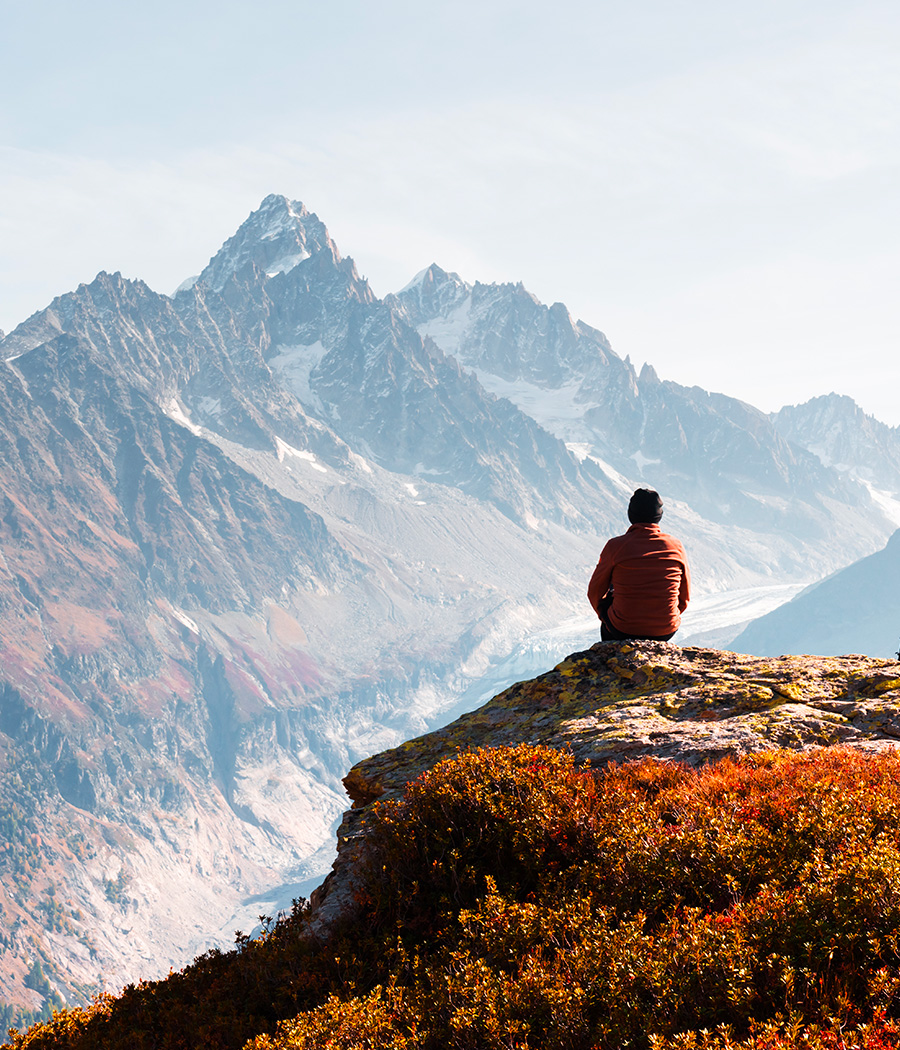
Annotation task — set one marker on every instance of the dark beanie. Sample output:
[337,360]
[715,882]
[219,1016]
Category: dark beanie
[645,507]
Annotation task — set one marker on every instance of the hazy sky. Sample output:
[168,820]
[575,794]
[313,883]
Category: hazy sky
[714,185]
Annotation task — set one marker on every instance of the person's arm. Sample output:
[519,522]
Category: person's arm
[601,579]
[684,591]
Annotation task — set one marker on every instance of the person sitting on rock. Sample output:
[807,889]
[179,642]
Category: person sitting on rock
[642,583]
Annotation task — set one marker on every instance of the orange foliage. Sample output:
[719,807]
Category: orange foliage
[514,900]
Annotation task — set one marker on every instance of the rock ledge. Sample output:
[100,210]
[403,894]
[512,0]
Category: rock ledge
[619,701]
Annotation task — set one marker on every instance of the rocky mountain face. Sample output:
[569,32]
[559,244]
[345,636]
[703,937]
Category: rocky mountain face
[713,455]
[250,533]
[837,430]
[258,530]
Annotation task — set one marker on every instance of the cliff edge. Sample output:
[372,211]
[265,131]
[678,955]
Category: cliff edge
[619,701]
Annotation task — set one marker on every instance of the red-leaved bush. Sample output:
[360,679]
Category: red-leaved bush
[515,900]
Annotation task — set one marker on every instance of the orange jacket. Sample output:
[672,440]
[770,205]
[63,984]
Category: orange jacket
[650,580]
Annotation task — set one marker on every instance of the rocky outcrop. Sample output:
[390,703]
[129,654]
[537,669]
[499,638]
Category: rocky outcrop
[620,701]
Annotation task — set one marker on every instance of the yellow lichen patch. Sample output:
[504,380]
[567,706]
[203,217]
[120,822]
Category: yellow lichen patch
[789,690]
[763,693]
[884,686]
[572,668]
[620,669]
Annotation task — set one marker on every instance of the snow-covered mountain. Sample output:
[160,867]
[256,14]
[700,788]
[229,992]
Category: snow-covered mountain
[251,533]
[855,610]
[837,430]
[263,527]
[771,504]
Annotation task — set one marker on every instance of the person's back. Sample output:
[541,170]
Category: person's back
[641,584]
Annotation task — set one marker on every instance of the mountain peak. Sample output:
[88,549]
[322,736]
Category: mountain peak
[648,375]
[422,277]
[433,277]
[276,237]
[277,203]
[432,292]
[842,435]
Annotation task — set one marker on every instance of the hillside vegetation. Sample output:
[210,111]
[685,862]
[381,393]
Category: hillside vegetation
[513,899]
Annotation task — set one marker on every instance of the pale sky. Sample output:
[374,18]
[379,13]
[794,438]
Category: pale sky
[714,185]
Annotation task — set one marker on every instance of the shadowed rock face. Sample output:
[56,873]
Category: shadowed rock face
[620,701]
[857,608]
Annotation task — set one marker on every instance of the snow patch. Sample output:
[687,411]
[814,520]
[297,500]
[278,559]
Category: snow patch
[641,460]
[579,449]
[415,282]
[411,489]
[889,504]
[286,263]
[448,331]
[283,449]
[177,414]
[187,284]
[360,462]
[183,618]
[610,471]
[555,410]
[294,365]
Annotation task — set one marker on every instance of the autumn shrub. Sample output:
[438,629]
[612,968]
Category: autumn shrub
[541,905]
[219,1002]
[512,899]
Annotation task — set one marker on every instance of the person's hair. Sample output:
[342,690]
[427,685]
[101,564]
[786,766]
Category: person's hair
[645,507]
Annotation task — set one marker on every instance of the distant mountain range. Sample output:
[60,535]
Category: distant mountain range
[268,525]
[836,430]
[856,610]
[715,457]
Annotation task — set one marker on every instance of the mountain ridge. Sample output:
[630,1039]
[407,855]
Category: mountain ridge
[853,610]
[844,436]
